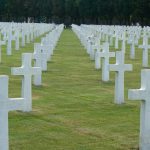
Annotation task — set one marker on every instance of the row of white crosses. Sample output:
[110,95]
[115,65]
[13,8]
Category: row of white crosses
[25,102]
[44,50]
[130,35]
[120,67]
[103,56]
[138,94]
[26,32]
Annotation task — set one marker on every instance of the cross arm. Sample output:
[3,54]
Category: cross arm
[144,46]
[114,67]
[37,71]
[17,71]
[141,46]
[136,94]
[15,104]
[117,67]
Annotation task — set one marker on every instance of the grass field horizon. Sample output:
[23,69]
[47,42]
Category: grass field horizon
[73,109]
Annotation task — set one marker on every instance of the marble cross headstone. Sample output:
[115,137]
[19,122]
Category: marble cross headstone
[48,49]
[119,68]
[27,71]
[17,40]
[32,36]
[97,57]
[28,37]
[6,105]
[92,50]
[9,44]
[105,55]
[37,63]
[38,57]
[23,38]
[97,60]
[123,41]
[143,94]
[145,48]
[88,45]
[116,40]
[43,51]
[1,43]
[132,47]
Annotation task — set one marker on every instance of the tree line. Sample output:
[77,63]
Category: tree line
[125,12]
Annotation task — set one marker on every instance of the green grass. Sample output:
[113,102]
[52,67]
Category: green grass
[74,109]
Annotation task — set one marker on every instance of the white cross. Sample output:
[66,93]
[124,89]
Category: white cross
[17,40]
[105,55]
[47,49]
[28,37]
[116,40]
[44,52]
[92,50]
[97,58]
[32,36]
[1,43]
[23,38]
[143,94]
[26,70]
[119,68]
[6,105]
[145,48]
[88,45]
[123,41]
[9,44]
[38,56]
[132,43]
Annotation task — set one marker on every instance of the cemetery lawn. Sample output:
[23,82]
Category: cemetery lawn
[74,109]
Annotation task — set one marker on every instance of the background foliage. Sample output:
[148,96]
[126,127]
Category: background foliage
[77,11]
